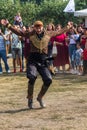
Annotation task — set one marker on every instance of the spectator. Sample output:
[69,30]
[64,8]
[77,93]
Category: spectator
[26,42]
[8,44]
[3,53]
[73,36]
[83,38]
[62,57]
[80,32]
[16,50]
[84,56]
[78,59]
[18,20]
[50,27]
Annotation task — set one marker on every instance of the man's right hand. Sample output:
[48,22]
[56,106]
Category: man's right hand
[4,22]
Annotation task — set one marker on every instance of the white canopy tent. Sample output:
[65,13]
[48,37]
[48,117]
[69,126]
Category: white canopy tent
[82,13]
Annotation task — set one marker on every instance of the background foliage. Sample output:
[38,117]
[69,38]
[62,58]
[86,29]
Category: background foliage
[45,10]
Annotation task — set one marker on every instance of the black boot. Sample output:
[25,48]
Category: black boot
[41,102]
[41,94]
[30,95]
[30,103]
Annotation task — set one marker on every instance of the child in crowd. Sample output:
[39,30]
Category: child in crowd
[18,20]
[78,59]
[84,56]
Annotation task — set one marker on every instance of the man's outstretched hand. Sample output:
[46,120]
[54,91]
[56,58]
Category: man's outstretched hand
[4,22]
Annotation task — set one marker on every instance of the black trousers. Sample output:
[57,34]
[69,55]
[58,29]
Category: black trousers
[35,66]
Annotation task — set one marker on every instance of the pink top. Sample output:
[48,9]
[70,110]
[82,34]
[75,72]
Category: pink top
[60,38]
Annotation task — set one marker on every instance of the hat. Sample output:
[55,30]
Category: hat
[38,23]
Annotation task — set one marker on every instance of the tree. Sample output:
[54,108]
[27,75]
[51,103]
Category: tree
[45,10]
[38,2]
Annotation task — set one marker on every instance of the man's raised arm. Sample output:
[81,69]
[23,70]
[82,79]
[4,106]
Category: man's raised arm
[63,30]
[13,29]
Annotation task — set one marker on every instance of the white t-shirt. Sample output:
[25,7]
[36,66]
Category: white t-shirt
[73,38]
[16,43]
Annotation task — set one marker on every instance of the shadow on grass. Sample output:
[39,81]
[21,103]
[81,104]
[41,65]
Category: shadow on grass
[14,111]
[19,110]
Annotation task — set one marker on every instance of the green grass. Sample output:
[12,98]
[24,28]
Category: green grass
[66,102]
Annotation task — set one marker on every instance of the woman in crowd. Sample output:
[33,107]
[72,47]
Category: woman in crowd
[62,57]
[80,32]
[50,27]
[83,38]
[73,37]
[26,42]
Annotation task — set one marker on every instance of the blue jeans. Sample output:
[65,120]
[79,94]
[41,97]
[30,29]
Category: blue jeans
[72,49]
[4,58]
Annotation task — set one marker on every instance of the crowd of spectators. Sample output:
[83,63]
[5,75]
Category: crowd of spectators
[71,48]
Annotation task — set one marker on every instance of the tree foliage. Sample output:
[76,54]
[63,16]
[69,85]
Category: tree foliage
[45,10]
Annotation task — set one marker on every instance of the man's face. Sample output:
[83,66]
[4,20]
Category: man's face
[38,29]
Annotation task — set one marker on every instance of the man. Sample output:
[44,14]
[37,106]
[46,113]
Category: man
[16,49]
[38,52]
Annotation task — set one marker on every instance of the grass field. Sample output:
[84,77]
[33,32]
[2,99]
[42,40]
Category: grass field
[66,102]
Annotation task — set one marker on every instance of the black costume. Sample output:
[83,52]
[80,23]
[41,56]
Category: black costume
[37,59]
